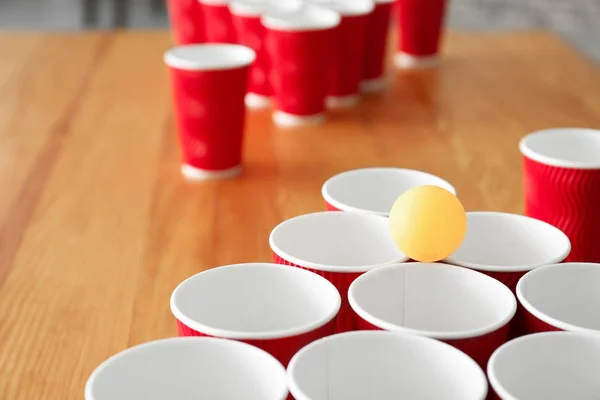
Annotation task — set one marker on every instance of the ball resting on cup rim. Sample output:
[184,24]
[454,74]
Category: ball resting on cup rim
[197,174]
[337,102]
[256,101]
[409,61]
[289,120]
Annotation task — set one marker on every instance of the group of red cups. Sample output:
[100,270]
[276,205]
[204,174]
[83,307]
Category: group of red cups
[298,56]
[343,314]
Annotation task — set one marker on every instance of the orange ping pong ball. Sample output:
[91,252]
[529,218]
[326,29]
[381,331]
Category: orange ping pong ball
[428,223]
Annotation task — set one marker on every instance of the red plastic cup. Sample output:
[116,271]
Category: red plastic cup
[275,308]
[186,21]
[506,246]
[374,190]
[348,64]
[301,44]
[459,306]
[373,79]
[337,246]
[250,32]
[561,297]
[217,21]
[551,365]
[384,365]
[562,185]
[420,26]
[209,84]
[186,368]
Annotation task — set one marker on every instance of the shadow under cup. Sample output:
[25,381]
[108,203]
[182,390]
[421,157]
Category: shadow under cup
[459,306]
[270,306]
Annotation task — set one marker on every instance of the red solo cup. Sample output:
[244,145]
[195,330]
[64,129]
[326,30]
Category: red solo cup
[349,55]
[374,190]
[275,308]
[550,365]
[459,306]
[373,79]
[189,368]
[561,297]
[506,246]
[217,21]
[562,185]
[420,26]
[384,366]
[337,246]
[186,21]
[209,83]
[300,41]
[250,31]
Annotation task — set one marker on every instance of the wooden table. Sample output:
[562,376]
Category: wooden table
[97,226]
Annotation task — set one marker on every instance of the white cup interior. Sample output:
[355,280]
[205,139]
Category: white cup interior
[209,57]
[347,8]
[189,369]
[255,301]
[384,366]
[436,300]
[250,8]
[509,242]
[563,295]
[336,241]
[375,190]
[548,366]
[564,147]
[299,16]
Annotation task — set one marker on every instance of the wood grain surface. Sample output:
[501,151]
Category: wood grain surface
[97,226]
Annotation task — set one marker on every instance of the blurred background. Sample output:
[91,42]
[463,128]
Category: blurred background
[577,21]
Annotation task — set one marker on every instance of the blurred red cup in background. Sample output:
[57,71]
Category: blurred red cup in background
[185,368]
[374,190]
[550,365]
[338,246]
[217,21]
[349,54]
[459,306]
[562,185]
[301,44]
[420,27]
[384,365]
[273,307]
[186,19]
[561,297]
[246,16]
[209,83]
[373,78]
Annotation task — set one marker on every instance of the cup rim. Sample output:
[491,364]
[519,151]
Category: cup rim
[354,8]
[231,56]
[439,335]
[241,335]
[527,150]
[245,8]
[514,268]
[565,326]
[278,20]
[344,206]
[249,349]
[491,372]
[299,394]
[326,267]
